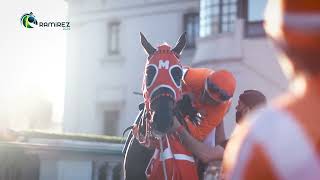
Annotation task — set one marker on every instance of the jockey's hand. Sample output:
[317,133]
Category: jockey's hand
[196,119]
[175,125]
[186,109]
[219,151]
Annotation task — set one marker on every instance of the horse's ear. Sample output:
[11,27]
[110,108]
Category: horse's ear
[180,44]
[146,45]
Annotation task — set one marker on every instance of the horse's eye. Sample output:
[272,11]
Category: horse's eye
[150,75]
[176,74]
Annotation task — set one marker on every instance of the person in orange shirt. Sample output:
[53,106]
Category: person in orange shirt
[207,96]
[282,141]
[210,93]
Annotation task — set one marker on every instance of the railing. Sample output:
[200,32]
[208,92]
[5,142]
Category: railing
[60,159]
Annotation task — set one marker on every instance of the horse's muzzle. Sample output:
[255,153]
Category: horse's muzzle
[162,106]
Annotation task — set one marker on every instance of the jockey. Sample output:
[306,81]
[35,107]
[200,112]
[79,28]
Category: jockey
[282,141]
[210,93]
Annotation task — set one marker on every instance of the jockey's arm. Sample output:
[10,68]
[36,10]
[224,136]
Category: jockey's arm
[220,136]
[201,150]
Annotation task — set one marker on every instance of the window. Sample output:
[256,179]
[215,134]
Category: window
[217,16]
[229,15]
[253,13]
[256,10]
[111,119]
[191,26]
[114,37]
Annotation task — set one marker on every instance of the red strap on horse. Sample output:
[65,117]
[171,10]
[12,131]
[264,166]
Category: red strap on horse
[179,162]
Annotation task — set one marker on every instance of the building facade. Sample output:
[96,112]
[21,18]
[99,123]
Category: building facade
[105,60]
[232,38]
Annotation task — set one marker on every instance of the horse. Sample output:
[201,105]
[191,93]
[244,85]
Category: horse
[161,91]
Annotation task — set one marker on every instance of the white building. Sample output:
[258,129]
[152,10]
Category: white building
[105,60]
[232,37]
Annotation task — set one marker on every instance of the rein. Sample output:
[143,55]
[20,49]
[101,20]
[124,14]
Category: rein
[163,162]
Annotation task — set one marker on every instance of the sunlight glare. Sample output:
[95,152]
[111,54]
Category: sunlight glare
[33,60]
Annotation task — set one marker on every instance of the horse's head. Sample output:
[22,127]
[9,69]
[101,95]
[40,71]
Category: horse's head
[162,83]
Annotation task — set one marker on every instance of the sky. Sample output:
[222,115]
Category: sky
[33,59]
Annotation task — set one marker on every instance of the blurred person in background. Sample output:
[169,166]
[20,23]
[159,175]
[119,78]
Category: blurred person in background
[282,141]
[248,101]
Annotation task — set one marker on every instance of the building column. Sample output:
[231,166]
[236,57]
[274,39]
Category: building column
[122,172]
[109,169]
[96,169]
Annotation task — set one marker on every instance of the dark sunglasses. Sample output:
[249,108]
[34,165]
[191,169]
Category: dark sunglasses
[223,95]
[207,98]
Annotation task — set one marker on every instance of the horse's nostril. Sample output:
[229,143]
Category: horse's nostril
[162,105]
[162,121]
[157,132]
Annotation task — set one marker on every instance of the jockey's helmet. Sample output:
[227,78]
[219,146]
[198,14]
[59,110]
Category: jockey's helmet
[294,25]
[220,85]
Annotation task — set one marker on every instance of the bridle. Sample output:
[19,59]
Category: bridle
[161,90]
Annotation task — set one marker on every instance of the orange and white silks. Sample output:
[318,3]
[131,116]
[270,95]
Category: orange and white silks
[193,83]
[179,163]
[272,145]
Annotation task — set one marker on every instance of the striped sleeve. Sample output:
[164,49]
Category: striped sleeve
[273,145]
[246,159]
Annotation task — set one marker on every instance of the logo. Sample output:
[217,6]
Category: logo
[28,20]
[164,64]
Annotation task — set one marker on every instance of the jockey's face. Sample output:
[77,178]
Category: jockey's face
[242,110]
[206,99]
